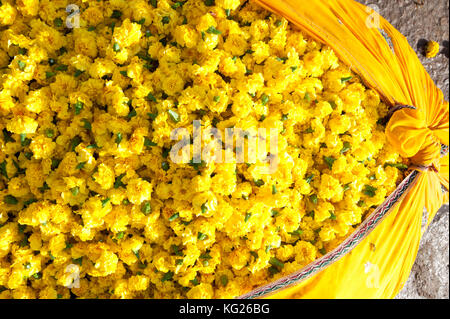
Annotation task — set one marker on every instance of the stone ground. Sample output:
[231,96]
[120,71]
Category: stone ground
[420,21]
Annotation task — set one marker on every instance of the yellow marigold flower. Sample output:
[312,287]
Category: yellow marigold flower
[432,49]
[28,7]
[8,13]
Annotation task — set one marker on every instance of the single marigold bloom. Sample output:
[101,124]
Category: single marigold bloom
[432,49]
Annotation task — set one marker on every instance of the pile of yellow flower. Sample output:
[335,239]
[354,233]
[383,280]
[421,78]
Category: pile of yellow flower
[86,183]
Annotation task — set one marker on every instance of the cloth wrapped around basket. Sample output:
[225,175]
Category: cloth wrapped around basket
[376,260]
